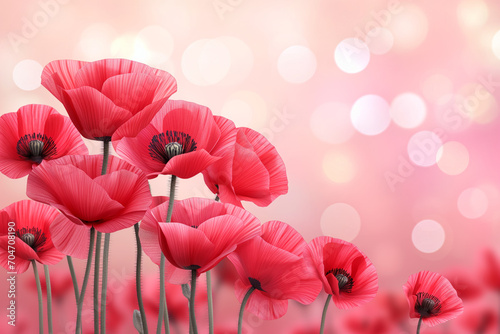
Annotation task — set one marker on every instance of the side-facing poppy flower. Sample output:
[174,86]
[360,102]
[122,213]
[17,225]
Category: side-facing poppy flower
[432,298]
[178,140]
[250,169]
[100,96]
[75,186]
[28,223]
[35,133]
[347,274]
[202,232]
[272,266]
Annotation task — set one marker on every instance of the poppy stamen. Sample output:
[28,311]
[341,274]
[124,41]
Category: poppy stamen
[36,147]
[345,281]
[427,304]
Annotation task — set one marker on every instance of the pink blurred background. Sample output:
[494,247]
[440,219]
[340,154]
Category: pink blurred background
[390,141]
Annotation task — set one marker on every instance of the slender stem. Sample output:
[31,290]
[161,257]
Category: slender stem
[163,314]
[49,297]
[85,281]
[73,276]
[171,199]
[192,315]
[40,298]
[104,288]
[242,308]
[138,280]
[323,317]
[97,268]
[419,324]
[105,156]
[210,304]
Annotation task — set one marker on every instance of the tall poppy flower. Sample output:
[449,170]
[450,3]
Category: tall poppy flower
[75,186]
[347,274]
[35,133]
[28,223]
[202,232]
[432,298]
[102,95]
[272,266]
[250,169]
[178,140]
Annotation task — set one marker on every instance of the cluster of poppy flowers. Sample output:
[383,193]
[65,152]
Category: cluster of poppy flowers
[77,197]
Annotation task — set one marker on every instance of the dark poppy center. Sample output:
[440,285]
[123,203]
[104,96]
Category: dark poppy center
[345,281]
[35,147]
[165,146]
[33,237]
[255,284]
[427,305]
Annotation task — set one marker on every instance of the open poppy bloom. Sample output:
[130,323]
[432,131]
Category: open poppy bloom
[100,96]
[29,222]
[432,298]
[347,274]
[35,133]
[178,140]
[274,267]
[250,169]
[202,232]
[75,186]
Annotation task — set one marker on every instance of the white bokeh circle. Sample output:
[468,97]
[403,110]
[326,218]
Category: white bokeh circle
[297,64]
[473,203]
[428,236]
[370,115]
[352,55]
[342,221]
[408,110]
[27,74]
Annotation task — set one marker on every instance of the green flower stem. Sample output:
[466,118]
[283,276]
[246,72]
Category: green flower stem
[419,324]
[210,304]
[85,281]
[323,317]
[242,308]
[49,297]
[163,314]
[40,298]
[138,280]
[105,156]
[192,314]
[104,288]
[97,268]
[73,276]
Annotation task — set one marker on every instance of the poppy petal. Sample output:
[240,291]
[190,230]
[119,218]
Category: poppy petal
[262,306]
[185,246]
[94,114]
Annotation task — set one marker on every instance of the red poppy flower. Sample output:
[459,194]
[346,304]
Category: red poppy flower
[273,265]
[102,95]
[75,186]
[251,169]
[467,287]
[35,133]
[29,222]
[347,274]
[432,297]
[148,233]
[202,232]
[491,269]
[178,140]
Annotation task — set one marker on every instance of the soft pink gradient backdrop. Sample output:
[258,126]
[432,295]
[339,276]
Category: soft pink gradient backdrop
[241,71]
